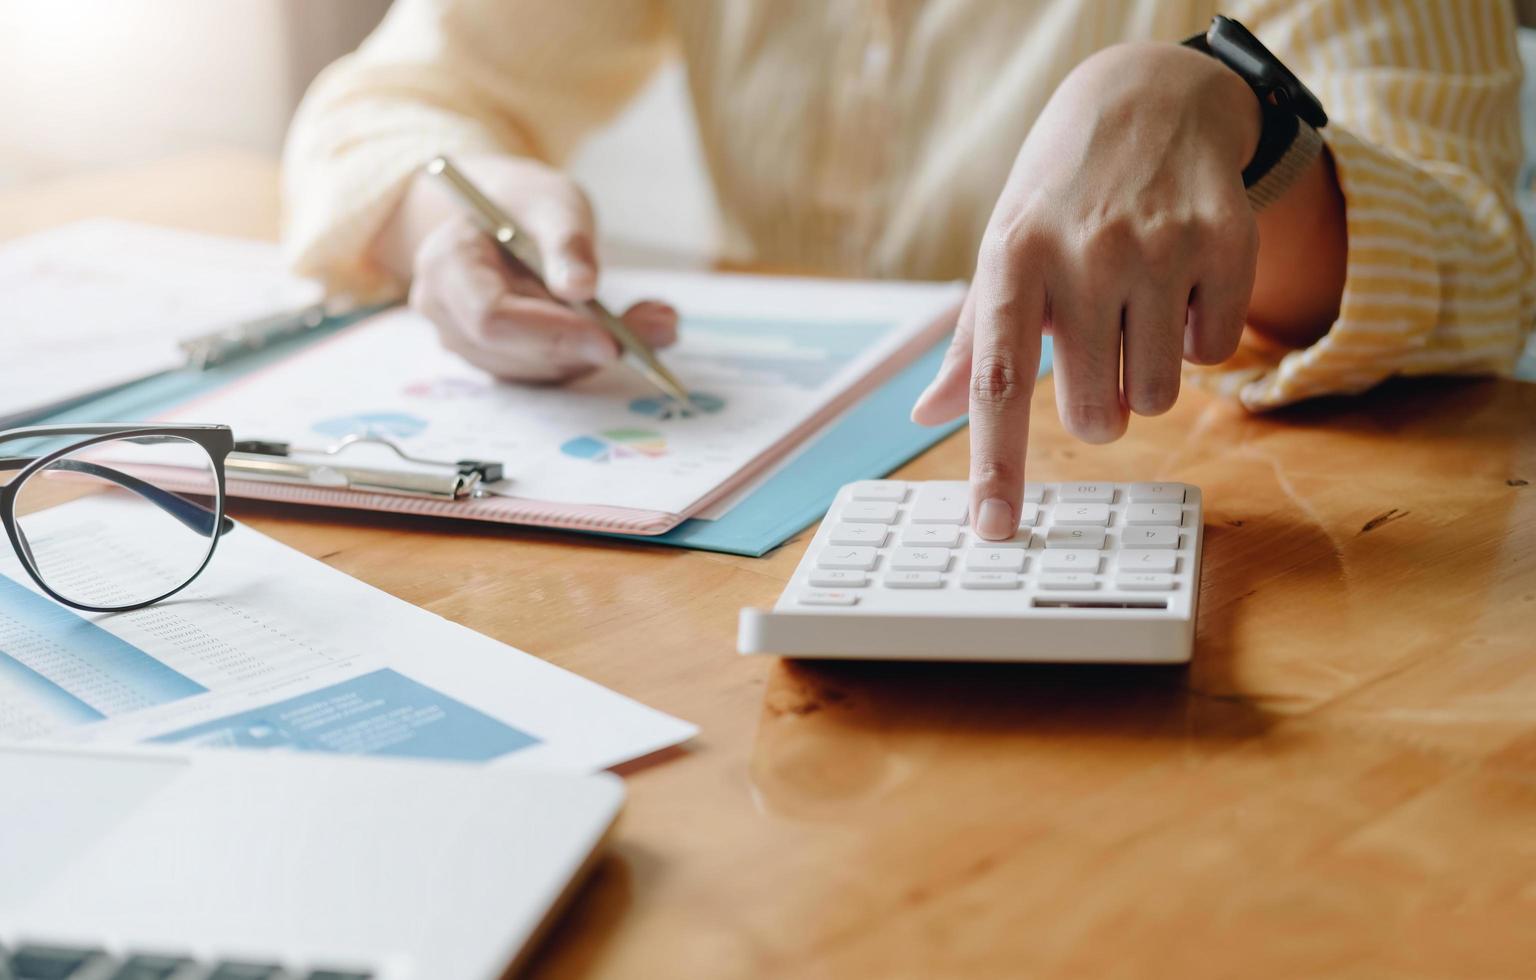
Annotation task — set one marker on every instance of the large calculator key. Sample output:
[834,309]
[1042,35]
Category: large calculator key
[868,534]
[879,490]
[995,560]
[1095,514]
[1034,493]
[1029,515]
[858,559]
[914,580]
[931,535]
[1069,560]
[827,597]
[1171,514]
[920,559]
[940,506]
[868,512]
[1075,537]
[1088,493]
[831,578]
[1138,538]
[990,580]
[1157,493]
[1071,581]
[1144,582]
[1148,561]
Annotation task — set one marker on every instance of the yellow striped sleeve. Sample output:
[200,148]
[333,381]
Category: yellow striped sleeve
[1425,138]
[456,77]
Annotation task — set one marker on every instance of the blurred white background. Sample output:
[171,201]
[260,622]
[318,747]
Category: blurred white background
[95,84]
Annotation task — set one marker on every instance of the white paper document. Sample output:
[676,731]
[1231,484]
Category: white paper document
[97,304]
[763,357]
[272,649]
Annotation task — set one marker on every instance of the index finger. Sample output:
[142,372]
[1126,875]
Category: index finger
[1010,311]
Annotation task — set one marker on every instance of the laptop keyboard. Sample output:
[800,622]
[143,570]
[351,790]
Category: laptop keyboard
[73,963]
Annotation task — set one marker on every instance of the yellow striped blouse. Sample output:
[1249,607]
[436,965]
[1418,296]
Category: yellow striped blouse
[871,137]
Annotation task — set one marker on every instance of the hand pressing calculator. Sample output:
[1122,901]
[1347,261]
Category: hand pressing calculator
[1097,572]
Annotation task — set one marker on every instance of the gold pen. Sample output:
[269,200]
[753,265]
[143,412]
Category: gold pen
[518,246]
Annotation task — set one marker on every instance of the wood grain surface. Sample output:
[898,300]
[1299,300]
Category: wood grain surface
[1342,784]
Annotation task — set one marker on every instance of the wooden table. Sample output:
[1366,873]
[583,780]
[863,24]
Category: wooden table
[1343,783]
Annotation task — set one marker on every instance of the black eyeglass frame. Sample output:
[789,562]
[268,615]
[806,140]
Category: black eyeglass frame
[216,440]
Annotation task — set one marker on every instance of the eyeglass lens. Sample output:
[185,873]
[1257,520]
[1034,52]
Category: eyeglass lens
[141,519]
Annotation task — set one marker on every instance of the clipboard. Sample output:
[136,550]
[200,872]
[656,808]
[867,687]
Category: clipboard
[900,349]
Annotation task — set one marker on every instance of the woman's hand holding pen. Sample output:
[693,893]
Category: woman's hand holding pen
[493,315]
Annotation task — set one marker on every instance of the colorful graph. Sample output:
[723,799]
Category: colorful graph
[699,403]
[611,445]
[447,388]
[387,425]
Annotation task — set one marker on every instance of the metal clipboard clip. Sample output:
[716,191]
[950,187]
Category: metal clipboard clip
[279,462]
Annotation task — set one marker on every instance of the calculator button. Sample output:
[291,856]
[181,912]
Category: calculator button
[933,535]
[1150,537]
[1144,582]
[1069,560]
[1081,514]
[1091,493]
[1069,580]
[940,507]
[1157,493]
[828,597]
[995,560]
[859,559]
[1034,493]
[920,559]
[1021,539]
[870,534]
[1029,515]
[1075,537]
[829,578]
[869,512]
[1154,514]
[879,490]
[1148,561]
[990,580]
[914,580]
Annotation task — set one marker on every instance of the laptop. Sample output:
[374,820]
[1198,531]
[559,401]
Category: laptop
[149,864]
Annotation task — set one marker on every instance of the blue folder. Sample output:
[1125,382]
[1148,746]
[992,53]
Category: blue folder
[869,441]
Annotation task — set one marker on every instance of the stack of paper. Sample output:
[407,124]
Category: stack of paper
[271,649]
[94,305]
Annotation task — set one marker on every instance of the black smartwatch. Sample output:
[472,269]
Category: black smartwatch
[1292,115]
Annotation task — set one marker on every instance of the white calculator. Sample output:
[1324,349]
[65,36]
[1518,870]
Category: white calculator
[1097,572]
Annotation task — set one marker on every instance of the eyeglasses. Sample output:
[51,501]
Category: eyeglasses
[107,518]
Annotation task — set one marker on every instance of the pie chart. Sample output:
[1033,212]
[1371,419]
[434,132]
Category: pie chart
[699,403]
[611,445]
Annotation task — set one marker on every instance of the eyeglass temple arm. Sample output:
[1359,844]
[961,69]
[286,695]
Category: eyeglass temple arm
[192,515]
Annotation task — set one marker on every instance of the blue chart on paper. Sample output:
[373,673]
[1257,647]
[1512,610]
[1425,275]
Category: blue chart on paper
[382,713]
[802,354]
[658,407]
[380,425]
[73,671]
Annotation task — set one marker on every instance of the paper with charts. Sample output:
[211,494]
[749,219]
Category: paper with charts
[764,357]
[270,649]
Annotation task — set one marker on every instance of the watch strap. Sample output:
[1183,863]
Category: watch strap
[1304,147]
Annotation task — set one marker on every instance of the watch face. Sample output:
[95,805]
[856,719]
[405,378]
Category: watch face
[1245,54]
